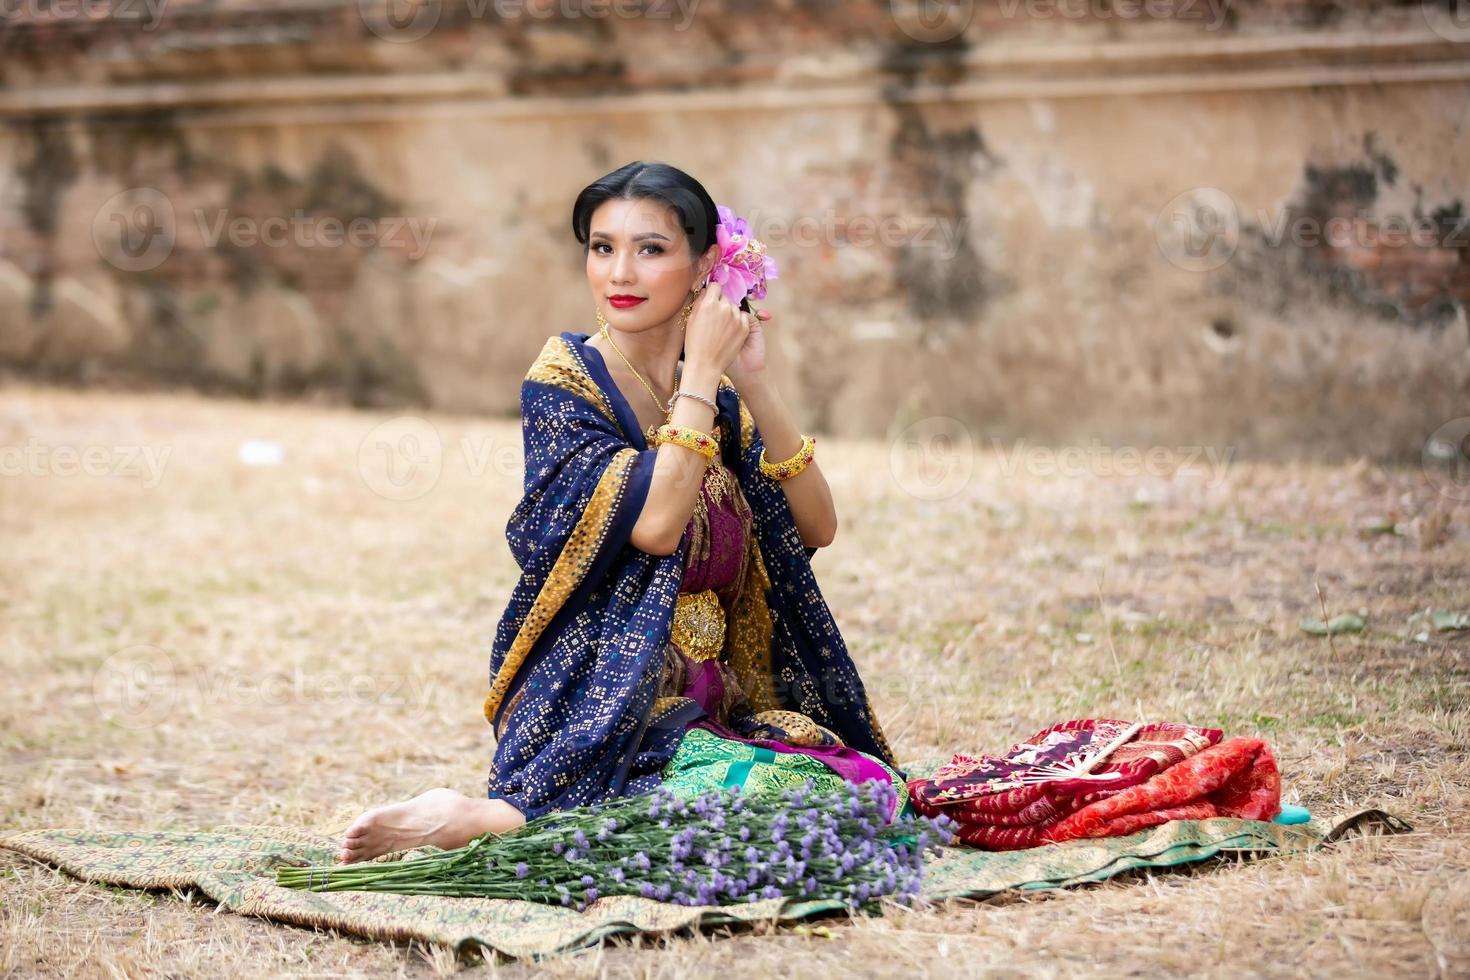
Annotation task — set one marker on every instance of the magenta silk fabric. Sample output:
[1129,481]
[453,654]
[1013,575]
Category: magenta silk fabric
[727,532]
[846,762]
[705,681]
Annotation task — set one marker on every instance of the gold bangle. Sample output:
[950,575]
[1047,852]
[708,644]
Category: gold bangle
[786,469]
[689,437]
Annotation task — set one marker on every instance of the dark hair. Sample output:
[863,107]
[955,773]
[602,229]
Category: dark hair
[651,181]
[657,182]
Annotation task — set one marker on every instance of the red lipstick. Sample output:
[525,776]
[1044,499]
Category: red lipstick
[624,302]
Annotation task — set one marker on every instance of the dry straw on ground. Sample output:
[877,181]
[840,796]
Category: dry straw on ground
[326,648]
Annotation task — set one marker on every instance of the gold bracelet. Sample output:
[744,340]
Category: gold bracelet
[789,468]
[688,436]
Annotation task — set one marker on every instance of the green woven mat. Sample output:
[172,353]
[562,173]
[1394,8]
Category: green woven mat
[235,867]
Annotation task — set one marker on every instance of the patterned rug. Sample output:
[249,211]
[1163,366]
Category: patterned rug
[235,867]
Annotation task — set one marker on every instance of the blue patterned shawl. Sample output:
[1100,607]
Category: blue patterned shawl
[578,653]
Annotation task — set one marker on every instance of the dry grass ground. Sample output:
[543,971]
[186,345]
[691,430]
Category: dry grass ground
[328,647]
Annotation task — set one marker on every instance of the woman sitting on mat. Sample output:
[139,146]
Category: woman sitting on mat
[666,627]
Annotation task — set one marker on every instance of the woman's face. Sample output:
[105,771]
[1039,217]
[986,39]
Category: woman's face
[637,249]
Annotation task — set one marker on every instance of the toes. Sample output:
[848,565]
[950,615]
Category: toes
[359,828]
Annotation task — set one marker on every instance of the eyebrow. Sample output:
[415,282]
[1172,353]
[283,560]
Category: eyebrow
[636,238]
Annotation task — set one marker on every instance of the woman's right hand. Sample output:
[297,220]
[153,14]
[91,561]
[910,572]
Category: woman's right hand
[716,331]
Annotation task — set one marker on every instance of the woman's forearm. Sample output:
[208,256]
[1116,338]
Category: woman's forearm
[807,492]
[678,472]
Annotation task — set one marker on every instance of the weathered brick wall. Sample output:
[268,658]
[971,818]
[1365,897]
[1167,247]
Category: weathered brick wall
[1236,225]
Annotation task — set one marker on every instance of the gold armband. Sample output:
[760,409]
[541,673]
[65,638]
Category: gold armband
[684,435]
[789,468]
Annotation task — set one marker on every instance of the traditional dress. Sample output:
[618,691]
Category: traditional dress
[733,745]
[613,670]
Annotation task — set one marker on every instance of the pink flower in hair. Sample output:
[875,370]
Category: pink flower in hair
[743,266]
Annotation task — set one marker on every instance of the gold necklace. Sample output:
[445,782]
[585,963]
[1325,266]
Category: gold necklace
[716,477]
[668,411]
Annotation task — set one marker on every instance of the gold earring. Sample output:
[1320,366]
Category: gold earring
[688,310]
[601,320]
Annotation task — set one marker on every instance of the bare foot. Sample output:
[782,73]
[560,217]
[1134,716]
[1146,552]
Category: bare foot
[441,817]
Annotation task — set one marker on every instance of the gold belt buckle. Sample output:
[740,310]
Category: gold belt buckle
[699,624]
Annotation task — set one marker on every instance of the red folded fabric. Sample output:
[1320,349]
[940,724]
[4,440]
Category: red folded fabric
[996,811]
[1237,778]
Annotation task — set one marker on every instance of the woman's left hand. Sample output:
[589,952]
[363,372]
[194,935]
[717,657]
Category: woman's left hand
[750,363]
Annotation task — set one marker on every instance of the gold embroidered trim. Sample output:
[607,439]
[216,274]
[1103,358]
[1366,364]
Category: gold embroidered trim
[571,567]
[798,728]
[749,634]
[661,706]
[558,365]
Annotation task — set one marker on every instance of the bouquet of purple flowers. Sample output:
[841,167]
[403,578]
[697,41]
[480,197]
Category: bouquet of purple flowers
[719,848]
